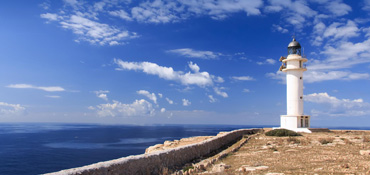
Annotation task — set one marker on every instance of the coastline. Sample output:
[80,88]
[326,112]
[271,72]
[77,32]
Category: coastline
[346,151]
[162,162]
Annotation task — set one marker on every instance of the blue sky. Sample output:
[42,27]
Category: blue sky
[181,62]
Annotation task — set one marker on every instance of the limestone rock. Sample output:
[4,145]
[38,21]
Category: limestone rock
[167,143]
[365,152]
[221,133]
[220,167]
[154,148]
[261,167]
[247,168]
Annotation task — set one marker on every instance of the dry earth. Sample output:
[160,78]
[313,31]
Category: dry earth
[336,152]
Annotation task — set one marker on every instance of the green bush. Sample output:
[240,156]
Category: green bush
[187,168]
[282,133]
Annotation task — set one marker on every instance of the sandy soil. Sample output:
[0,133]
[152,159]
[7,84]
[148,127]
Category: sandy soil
[336,152]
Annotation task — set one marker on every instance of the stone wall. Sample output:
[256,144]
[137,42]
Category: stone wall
[159,162]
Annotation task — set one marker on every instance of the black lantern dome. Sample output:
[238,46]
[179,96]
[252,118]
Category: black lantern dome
[294,47]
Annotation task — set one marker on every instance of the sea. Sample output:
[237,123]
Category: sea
[37,148]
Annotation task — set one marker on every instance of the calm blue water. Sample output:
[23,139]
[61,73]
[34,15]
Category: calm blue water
[42,148]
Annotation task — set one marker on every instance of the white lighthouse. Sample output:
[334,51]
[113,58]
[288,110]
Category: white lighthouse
[295,120]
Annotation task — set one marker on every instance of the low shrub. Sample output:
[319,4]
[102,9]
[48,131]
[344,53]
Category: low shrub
[274,149]
[366,139]
[294,140]
[187,168]
[282,133]
[326,140]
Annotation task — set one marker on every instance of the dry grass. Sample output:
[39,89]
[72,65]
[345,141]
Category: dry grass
[366,139]
[309,156]
[326,140]
[293,140]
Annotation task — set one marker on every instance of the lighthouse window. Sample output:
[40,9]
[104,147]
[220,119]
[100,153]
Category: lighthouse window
[300,78]
[300,97]
[300,64]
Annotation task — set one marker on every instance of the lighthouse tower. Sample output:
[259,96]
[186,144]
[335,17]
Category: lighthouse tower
[292,65]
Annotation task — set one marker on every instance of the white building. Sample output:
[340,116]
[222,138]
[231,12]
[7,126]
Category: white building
[295,120]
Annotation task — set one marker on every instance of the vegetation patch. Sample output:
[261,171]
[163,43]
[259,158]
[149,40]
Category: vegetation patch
[282,133]
[187,168]
[366,139]
[326,140]
[274,149]
[293,140]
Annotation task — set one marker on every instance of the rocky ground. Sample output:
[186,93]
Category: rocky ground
[335,152]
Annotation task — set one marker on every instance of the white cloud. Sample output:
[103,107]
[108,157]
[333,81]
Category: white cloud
[165,11]
[279,75]
[246,90]
[317,76]
[341,30]
[160,95]
[49,16]
[90,30]
[279,28]
[338,107]
[194,67]
[163,110]
[201,79]
[71,2]
[312,76]
[52,96]
[44,88]
[243,78]
[343,55]
[149,95]
[220,9]
[294,12]
[118,109]
[169,101]
[95,32]
[102,94]
[219,92]
[366,5]
[212,99]
[7,109]
[267,61]
[186,102]
[187,52]
[317,33]
[45,5]
[122,14]
[338,8]
[157,11]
